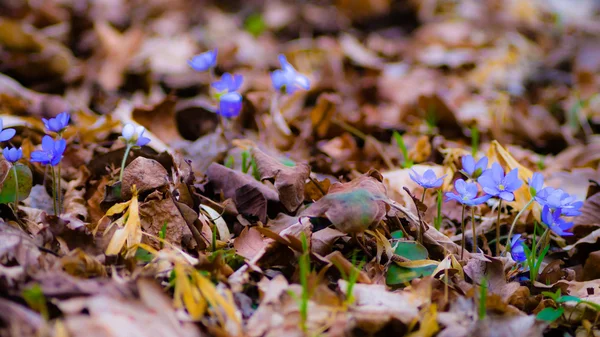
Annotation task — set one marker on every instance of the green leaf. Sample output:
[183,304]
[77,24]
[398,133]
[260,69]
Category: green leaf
[24,181]
[397,235]
[397,274]
[255,24]
[411,250]
[568,298]
[550,314]
[420,267]
[143,255]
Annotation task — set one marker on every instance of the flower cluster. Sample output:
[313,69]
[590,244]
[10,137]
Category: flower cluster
[229,100]
[494,182]
[286,79]
[52,148]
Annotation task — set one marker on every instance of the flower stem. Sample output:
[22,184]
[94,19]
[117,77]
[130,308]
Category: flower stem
[462,244]
[512,226]
[127,149]
[498,228]
[14,169]
[59,190]
[421,225]
[54,190]
[473,229]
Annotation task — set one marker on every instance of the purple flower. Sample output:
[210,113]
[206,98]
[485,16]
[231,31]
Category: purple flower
[467,194]
[204,61]
[556,198]
[496,184]
[230,105]
[12,154]
[135,135]
[58,123]
[472,169]
[288,78]
[554,222]
[51,153]
[228,82]
[516,248]
[536,183]
[6,134]
[428,179]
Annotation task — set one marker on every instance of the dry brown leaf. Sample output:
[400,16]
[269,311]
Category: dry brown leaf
[249,243]
[289,180]
[145,174]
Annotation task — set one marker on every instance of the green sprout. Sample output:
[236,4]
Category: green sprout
[36,300]
[352,278]
[230,162]
[437,222]
[162,234]
[474,140]
[534,258]
[407,162]
[483,291]
[304,264]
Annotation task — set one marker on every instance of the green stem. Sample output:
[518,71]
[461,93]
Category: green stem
[462,244]
[473,229]
[421,225]
[59,190]
[54,190]
[14,169]
[512,226]
[127,149]
[438,219]
[498,228]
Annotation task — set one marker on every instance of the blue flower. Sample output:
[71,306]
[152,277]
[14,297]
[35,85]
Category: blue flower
[496,184]
[467,194]
[51,153]
[536,183]
[428,179]
[288,78]
[554,222]
[228,82]
[135,135]
[58,123]
[516,248]
[230,105]
[204,61]
[555,198]
[472,169]
[12,154]
[6,134]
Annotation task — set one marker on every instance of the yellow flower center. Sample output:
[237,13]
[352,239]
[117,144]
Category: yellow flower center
[501,187]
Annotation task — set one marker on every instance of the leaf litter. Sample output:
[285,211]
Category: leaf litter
[299,169]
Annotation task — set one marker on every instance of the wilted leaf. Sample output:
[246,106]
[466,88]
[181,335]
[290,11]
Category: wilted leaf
[352,207]
[249,243]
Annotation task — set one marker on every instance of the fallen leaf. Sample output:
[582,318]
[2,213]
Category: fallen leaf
[249,243]
[289,178]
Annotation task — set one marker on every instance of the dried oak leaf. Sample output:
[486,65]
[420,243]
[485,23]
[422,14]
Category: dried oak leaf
[247,193]
[74,199]
[157,211]
[146,174]
[249,243]
[289,179]
[353,206]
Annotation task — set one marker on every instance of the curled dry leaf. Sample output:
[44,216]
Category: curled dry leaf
[289,177]
[249,243]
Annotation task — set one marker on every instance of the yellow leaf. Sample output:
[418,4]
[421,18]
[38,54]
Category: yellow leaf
[429,325]
[118,208]
[131,233]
